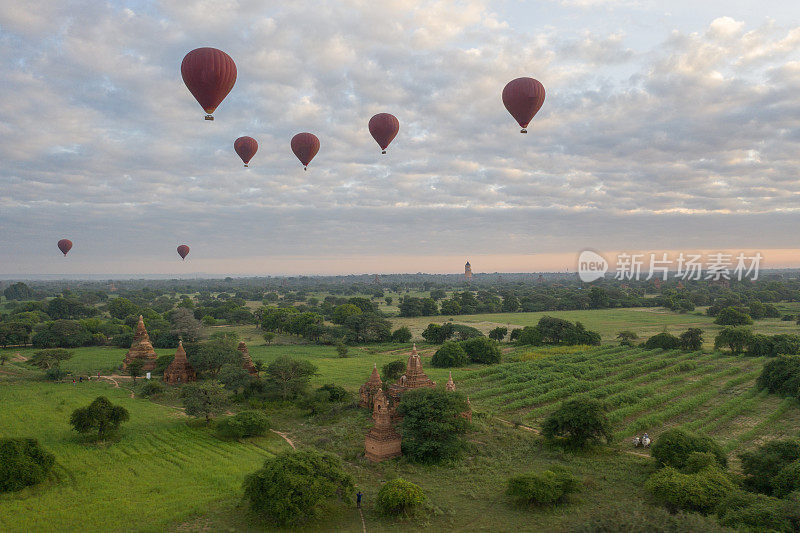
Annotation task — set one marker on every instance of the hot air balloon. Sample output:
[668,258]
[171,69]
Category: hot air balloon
[305,146]
[384,127]
[183,251]
[246,147]
[209,74]
[65,245]
[523,97]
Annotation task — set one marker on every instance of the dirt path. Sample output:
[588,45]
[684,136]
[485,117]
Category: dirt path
[363,524]
[287,439]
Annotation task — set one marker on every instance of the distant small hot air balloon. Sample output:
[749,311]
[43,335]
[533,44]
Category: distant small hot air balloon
[183,251]
[246,147]
[305,146]
[65,245]
[384,127]
[523,97]
[209,74]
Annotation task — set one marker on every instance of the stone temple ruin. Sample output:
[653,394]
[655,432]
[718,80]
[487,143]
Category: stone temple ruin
[179,370]
[141,349]
[383,441]
[247,362]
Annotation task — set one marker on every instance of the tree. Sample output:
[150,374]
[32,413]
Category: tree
[100,415]
[269,336]
[18,291]
[243,424]
[292,487]
[288,377]
[733,338]
[122,308]
[550,486]
[204,399]
[436,334]
[185,325]
[598,298]
[13,333]
[731,316]
[50,358]
[674,447]
[662,341]
[627,337]
[781,375]
[23,462]
[135,369]
[692,339]
[498,333]
[259,366]
[451,354]
[61,334]
[433,424]
[402,335]
[341,349]
[388,300]
[579,422]
[210,356]
[234,377]
[762,465]
[393,370]
[345,311]
[482,350]
[399,497]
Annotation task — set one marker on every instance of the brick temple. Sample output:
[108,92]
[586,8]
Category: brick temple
[141,349]
[247,361]
[383,441]
[368,390]
[179,370]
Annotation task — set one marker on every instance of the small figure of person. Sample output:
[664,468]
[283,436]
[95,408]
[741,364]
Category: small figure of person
[80,379]
[358,499]
[98,376]
[73,381]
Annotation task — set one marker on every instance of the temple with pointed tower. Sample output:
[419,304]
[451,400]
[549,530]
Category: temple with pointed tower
[367,391]
[450,386]
[414,378]
[383,441]
[141,349]
[468,272]
[179,370]
[247,362]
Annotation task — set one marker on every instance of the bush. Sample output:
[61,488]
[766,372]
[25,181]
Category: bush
[150,388]
[637,517]
[781,375]
[23,463]
[697,461]
[393,370]
[482,350]
[432,424]
[757,511]
[335,393]
[735,338]
[498,333]
[451,354]
[55,373]
[293,486]
[579,422]
[762,465]
[701,491]
[731,316]
[243,424]
[550,330]
[674,446]
[401,335]
[550,486]
[787,480]
[400,497]
[664,341]
[462,332]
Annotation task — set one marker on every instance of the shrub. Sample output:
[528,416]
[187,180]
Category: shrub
[734,338]
[292,486]
[664,341]
[674,446]
[393,370]
[781,375]
[243,424]
[162,363]
[762,465]
[400,497]
[451,354]
[23,463]
[432,424]
[515,334]
[637,517]
[482,350]
[341,349]
[550,486]
[731,316]
[701,491]
[335,393]
[100,415]
[462,332]
[498,333]
[55,373]
[401,335]
[698,461]
[757,511]
[150,388]
[579,422]
[787,480]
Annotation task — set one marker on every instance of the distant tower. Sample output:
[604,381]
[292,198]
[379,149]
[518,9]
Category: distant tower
[468,272]
[376,280]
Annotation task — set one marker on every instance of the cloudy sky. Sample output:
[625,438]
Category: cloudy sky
[667,126]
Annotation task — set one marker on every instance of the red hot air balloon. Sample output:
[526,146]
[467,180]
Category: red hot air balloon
[523,97]
[246,147]
[65,245]
[384,127]
[305,146]
[183,251]
[209,74]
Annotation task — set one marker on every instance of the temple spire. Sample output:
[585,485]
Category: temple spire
[451,386]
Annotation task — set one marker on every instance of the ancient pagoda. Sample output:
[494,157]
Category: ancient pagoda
[367,391]
[382,442]
[179,370]
[141,349]
[247,362]
[450,386]
[414,378]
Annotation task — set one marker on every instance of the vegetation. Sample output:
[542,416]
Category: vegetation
[399,497]
[557,331]
[433,424]
[23,462]
[204,399]
[392,370]
[451,354]
[697,491]
[243,424]
[766,468]
[578,422]
[674,447]
[547,487]
[100,415]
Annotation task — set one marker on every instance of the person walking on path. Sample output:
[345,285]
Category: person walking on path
[358,499]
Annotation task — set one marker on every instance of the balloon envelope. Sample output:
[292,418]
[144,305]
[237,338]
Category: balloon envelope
[209,74]
[305,146]
[384,127]
[523,97]
[65,245]
[183,251]
[246,147]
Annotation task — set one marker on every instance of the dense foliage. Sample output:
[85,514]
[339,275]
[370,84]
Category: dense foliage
[399,497]
[433,424]
[100,415]
[763,466]
[698,491]
[23,462]
[675,446]
[547,487]
[451,354]
[781,376]
[557,331]
[243,424]
[578,422]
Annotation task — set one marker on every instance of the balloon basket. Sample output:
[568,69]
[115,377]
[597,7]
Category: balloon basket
[383,151]
[246,166]
[305,168]
[209,117]
[523,130]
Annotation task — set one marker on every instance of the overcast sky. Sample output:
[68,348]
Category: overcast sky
[667,126]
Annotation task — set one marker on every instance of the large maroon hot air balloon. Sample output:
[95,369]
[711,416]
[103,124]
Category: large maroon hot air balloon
[209,74]
[384,127]
[65,245]
[246,147]
[523,97]
[305,146]
[183,251]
